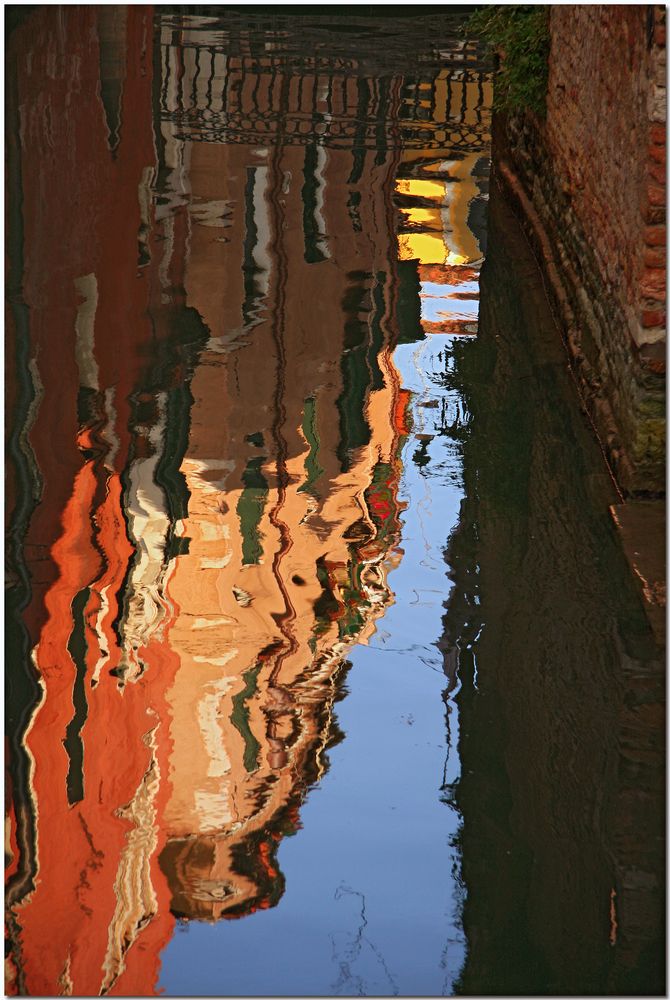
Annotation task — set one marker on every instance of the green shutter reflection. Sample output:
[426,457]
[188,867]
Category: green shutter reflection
[240,717]
[312,468]
[250,508]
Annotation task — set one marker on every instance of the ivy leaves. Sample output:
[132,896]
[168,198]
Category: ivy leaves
[519,36]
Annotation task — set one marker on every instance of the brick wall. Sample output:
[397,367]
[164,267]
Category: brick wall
[590,182]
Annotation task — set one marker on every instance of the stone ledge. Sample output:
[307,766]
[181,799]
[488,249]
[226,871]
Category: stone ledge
[620,415]
[599,412]
[641,528]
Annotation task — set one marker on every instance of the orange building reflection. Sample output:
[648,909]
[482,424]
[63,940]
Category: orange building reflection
[83,883]
[289,452]
[217,453]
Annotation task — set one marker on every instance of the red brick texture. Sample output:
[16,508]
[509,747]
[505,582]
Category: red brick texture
[594,171]
[604,106]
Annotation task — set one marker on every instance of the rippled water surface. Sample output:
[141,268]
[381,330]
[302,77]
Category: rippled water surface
[325,675]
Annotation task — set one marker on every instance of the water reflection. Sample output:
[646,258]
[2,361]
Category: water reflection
[210,399]
[561,684]
[247,409]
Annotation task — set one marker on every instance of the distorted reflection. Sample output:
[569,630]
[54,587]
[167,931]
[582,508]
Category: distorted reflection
[273,478]
[207,440]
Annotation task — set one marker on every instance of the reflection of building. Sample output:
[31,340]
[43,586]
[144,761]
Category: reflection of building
[285,565]
[278,488]
[439,199]
[216,457]
[86,797]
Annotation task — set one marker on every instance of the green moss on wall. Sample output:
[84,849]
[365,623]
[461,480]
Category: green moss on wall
[519,36]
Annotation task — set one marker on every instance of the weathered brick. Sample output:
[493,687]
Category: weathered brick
[655,236]
[655,194]
[657,134]
[653,317]
[653,277]
[652,284]
[654,257]
[654,215]
[657,154]
[595,173]
[657,172]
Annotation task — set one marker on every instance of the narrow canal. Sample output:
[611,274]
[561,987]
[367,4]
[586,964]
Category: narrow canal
[325,673]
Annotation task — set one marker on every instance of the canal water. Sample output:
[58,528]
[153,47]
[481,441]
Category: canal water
[325,673]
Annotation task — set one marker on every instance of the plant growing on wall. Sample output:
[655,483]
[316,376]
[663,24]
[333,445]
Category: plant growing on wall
[519,36]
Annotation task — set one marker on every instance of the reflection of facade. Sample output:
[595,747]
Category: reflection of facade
[269,565]
[217,465]
[286,566]
[83,881]
[440,200]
